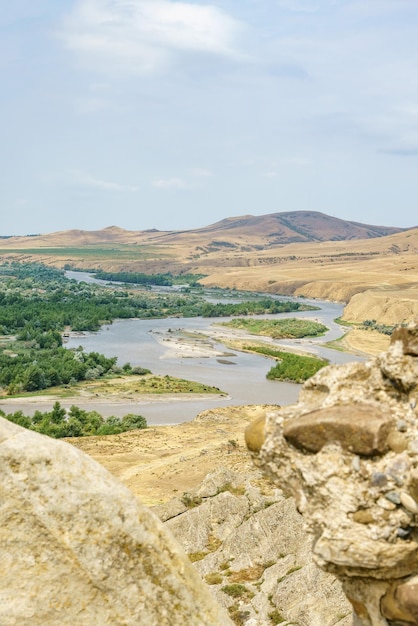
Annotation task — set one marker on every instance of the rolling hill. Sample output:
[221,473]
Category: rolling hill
[233,232]
[302,253]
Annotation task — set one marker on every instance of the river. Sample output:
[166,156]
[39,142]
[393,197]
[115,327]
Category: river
[242,376]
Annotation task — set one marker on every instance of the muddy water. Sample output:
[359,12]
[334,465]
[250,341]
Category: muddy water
[242,377]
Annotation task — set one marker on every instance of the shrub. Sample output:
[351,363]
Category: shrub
[76,423]
[236,590]
[213,579]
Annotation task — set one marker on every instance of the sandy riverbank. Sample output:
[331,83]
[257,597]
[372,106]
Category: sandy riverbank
[105,405]
[182,344]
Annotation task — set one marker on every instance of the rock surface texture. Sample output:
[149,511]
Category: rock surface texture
[249,543]
[348,452]
[77,548]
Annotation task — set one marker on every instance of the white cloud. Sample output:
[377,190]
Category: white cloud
[143,36]
[170,183]
[86,180]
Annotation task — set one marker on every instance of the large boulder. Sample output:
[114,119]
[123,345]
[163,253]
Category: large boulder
[348,452]
[78,548]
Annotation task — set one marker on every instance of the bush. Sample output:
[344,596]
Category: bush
[76,423]
[141,371]
[290,367]
[133,422]
[235,590]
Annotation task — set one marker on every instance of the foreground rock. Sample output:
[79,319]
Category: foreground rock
[248,542]
[77,548]
[348,451]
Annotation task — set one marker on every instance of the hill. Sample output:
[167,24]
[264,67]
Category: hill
[233,232]
[302,253]
[279,228]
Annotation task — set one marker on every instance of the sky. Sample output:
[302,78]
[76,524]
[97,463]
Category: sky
[175,115]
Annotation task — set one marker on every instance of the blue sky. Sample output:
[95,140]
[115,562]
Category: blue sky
[174,115]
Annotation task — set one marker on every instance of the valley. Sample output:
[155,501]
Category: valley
[371,269]
[372,272]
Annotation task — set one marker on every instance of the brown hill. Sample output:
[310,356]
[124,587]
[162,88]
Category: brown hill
[74,237]
[251,253]
[231,233]
[287,227]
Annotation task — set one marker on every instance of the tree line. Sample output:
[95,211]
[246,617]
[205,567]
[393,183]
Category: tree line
[289,367]
[75,422]
[37,304]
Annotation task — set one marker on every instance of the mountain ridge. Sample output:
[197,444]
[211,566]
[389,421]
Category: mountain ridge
[262,230]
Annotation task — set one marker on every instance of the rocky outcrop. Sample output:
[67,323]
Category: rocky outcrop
[77,548]
[250,545]
[348,452]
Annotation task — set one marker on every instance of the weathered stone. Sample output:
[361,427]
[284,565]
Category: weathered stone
[393,496]
[379,479]
[259,541]
[404,533]
[360,428]
[78,548]
[413,447]
[413,484]
[407,597]
[255,434]
[218,481]
[169,509]
[402,426]
[409,339]
[408,502]
[392,610]
[362,513]
[399,468]
[363,516]
[386,504]
[397,442]
[400,369]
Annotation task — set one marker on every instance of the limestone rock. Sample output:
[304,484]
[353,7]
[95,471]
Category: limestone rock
[409,339]
[407,597]
[252,542]
[255,434]
[170,509]
[348,452]
[361,428]
[78,548]
[220,480]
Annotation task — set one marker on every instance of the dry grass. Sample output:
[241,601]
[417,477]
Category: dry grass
[166,461]
[383,271]
[246,575]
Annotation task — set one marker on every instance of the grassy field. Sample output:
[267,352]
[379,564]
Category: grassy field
[99,252]
[124,386]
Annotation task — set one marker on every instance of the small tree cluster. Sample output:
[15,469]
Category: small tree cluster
[59,423]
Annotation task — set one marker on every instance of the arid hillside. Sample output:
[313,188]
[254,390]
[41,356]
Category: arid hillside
[234,232]
[299,253]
